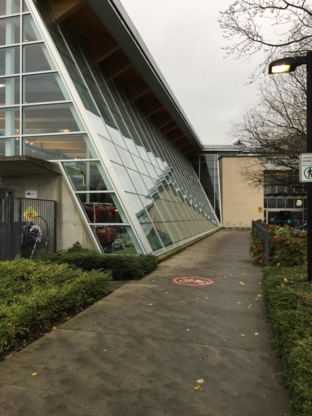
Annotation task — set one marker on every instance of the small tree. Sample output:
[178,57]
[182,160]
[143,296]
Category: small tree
[274,131]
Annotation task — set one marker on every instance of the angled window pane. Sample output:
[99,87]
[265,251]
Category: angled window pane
[140,165]
[124,178]
[181,230]
[9,122]
[30,30]
[151,170]
[102,208]
[151,209]
[87,176]
[9,7]
[25,7]
[9,91]
[138,182]
[37,58]
[116,136]
[138,208]
[111,151]
[9,61]
[44,88]
[148,182]
[163,233]
[59,147]
[173,231]
[57,118]
[127,158]
[116,239]
[151,236]
[9,31]
[9,147]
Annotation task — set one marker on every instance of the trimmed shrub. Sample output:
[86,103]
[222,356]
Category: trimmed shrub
[288,248]
[122,267]
[288,299]
[34,296]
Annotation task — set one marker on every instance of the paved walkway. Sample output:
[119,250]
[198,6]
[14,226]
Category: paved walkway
[141,350]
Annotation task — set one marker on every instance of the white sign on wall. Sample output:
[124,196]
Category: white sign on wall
[30,194]
[305,167]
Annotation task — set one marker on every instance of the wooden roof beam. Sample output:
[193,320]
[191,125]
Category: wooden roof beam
[188,150]
[177,138]
[151,107]
[62,9]
[183,145]
[162,120]
[102,48]
[170,128]
[165,123]
[118,69]
[137,89]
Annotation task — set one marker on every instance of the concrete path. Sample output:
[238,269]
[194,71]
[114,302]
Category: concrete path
[141,350]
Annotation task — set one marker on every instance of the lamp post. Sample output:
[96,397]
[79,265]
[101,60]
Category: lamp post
[289,65]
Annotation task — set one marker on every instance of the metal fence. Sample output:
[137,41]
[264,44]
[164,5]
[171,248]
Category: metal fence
[7,237]
[26,225]
[263,233]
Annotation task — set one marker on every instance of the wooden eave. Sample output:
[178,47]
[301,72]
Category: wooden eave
[116,64]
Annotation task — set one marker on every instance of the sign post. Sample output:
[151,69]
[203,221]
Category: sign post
[305,167]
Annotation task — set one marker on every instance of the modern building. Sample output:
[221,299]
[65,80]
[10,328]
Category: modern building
[87,119]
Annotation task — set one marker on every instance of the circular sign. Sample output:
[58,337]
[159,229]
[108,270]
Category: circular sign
[308,172]
[192,281]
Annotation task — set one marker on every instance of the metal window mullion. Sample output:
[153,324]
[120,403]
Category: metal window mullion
[21,83]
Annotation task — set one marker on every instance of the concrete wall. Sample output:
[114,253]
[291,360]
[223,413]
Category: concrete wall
[70,224]
[241,203]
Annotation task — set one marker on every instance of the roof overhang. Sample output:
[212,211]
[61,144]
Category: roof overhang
[117,46]
[26,165]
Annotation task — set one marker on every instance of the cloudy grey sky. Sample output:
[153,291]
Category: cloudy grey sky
[185,40]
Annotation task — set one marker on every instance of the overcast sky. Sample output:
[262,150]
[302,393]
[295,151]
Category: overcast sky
[185,40]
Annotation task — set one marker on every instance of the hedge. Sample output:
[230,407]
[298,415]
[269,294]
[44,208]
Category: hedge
[34,296]
[122,266]
[288,299]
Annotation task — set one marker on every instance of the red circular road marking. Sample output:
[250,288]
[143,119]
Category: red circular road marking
[192,281]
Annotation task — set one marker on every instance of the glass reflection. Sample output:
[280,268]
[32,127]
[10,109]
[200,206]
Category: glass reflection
[44,88]
[151,236]
[9,91]
[55,118]
[116,239]
[163,233]
[86,176]
[37,58]
[124,178]
[138,208]
[9,121]
[9,147]
[59,147]
[9,31]
[102,208]
[30,30]
[9,61]
[9,7]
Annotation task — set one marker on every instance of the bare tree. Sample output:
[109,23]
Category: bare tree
[278,27]
[274,131]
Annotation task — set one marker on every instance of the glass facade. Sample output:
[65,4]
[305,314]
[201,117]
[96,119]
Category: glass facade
[151,199]
[207,169]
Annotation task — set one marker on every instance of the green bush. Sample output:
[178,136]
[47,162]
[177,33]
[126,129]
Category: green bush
[122,267]
[287,247]
[288,299]
[34,296]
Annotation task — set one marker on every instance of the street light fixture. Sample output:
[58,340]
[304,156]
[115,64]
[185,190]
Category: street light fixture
[290,64]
